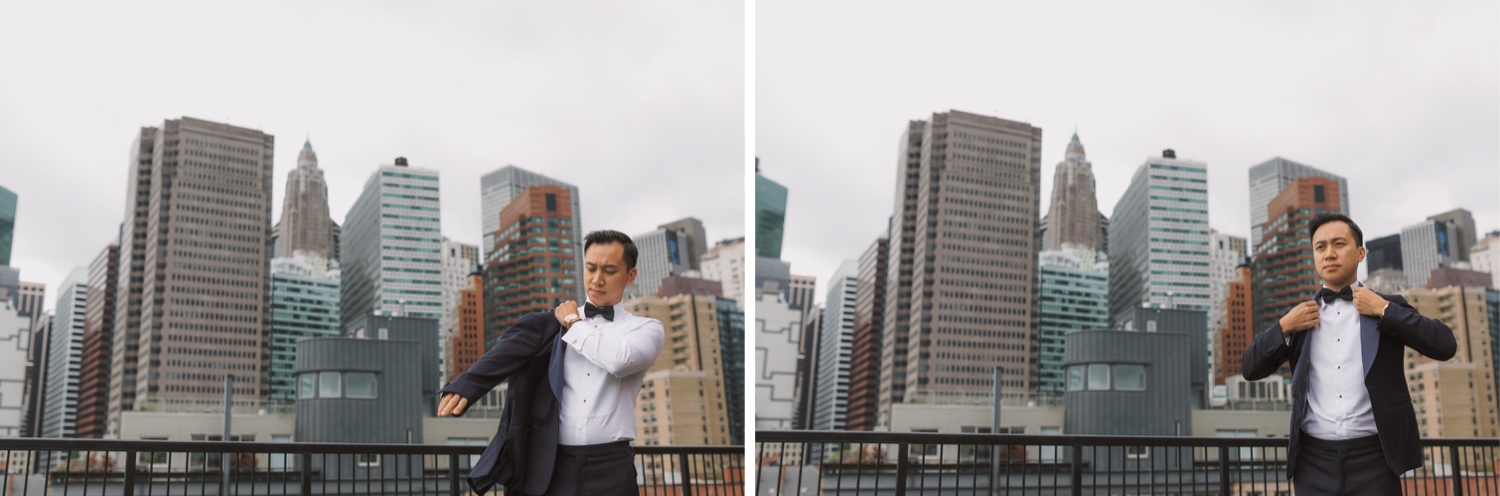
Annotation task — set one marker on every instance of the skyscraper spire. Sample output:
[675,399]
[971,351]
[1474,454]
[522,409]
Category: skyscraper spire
[1073,217]
[307,158]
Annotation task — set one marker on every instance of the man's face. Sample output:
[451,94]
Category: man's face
[604,274]
[1336,255]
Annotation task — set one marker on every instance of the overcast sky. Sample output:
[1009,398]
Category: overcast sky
[639,104]
[1400,98]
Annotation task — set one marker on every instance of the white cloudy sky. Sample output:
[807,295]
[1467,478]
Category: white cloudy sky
[640,104]
[1398,97]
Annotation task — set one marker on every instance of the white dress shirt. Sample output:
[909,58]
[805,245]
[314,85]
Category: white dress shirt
[1338,405]
[604,363]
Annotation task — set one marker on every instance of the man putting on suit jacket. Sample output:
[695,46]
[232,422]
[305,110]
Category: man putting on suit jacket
[574,378]
[1353,428]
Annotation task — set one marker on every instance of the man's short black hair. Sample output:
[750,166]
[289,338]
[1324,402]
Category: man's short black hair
[606,237]
[1359,236]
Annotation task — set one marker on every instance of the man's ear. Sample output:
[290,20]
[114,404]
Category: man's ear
[632,276]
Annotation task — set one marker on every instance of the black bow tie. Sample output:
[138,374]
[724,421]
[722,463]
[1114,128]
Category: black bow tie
[1328,295]
[589,310]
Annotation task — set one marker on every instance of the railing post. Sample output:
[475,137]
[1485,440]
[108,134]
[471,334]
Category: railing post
[682,471]
[1076,487]
[452,474]
[1224,469]
[902,460]
[306,473]
[129,473]
[1454,472]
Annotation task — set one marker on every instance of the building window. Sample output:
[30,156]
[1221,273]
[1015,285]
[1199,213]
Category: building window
[1075,378]
[1137,452]
[306,387]
[1098,377]
[367,459]
[1318,193]
[329,385]
[551,202]
[360,385]
[1130,377]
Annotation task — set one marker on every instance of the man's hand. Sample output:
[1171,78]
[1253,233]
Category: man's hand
[452,404]
[1301,318]
[567,308]
[1369,303]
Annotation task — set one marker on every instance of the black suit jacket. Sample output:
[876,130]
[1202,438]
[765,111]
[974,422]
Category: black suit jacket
[522,453]
[1383,342]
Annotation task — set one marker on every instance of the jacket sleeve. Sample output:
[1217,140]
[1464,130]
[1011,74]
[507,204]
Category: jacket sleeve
[1264,356]
[1428,336]
[520,343]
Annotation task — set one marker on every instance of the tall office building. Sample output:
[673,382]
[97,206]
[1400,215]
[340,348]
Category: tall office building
[1428,245]
[974,283]
[203,302]
[663,252]
[459,260]
[391,247]
[1226,252]
[305,223]
[502,186]
[33,297]
[731,320]
[800,293]
[1485,257]
[1159,239]
[466,344]
[1455,398]
[125,345]
[683,395]
[901,230]
[1075,296]
[1383,253]
[778,337]
[835,342]
[64,355]
[807,369]
[14,331]
[1492,303]
[1235,335]
[304,305]
[1463,222]
[770,215]
[7,223]
[1269,178]
[34,392]
[696,245]
[725,262]
[864,353]
[1073,215]
[1284,271]
[527,269]
[98,334]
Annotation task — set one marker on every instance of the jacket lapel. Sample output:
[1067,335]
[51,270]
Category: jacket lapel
[1369,341]
[555,367]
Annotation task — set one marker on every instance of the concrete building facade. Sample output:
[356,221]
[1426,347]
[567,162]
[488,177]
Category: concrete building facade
[1455,398]
[778,337]
[725,262]
[683,396]
[1235,334]
[1428,245]
[974,283]
[1225,253]
[65,356]
[1073,215]
[391,247]
[204,298]
[835,344]
[901,232]
[124,351]
[664,252]
[502,186]
[305,223]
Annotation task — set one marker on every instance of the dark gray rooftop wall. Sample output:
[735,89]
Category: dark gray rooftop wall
[1176,367]
[422,331]
[394,414]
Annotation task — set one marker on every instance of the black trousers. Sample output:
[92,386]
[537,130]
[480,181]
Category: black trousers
[1350,466]
[596,469]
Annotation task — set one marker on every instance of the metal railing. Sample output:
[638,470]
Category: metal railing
[841,463]
[114,467]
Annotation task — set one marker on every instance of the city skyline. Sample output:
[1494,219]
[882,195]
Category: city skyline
[588,97]
[1232,86]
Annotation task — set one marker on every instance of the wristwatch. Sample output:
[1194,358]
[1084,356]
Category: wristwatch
[568,322]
